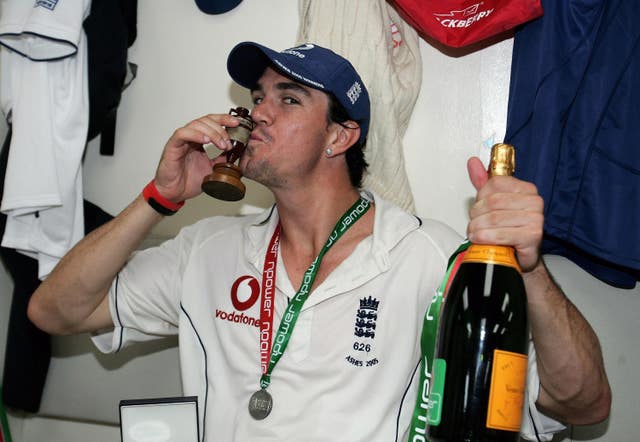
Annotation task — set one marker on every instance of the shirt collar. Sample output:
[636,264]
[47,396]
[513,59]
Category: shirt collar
[397,224]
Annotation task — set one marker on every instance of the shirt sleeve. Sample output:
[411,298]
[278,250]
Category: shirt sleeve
[144,299]
[535,425]
[44,31]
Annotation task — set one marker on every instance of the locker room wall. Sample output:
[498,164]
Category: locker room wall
[181,54]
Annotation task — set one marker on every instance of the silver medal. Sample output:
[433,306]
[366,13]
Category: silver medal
[260,404]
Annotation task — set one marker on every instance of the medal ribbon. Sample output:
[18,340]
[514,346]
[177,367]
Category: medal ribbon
[292,312]
[427,345]
[267,298]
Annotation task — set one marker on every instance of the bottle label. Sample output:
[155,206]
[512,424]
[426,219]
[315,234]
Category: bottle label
[437,388]
[502,255]
[506,395]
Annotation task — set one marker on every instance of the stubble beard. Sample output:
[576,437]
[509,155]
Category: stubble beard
[263,172]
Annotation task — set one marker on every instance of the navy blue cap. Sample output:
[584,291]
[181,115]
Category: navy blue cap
[309,64]
[217,6]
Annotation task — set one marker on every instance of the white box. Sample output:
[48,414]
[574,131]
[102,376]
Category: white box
[173,419]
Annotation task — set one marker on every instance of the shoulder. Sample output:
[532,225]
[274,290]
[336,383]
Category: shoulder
[440,235]
[395,227]
[220,229]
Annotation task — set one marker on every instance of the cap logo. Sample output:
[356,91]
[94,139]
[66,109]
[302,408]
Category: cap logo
[297,76]
[296,51]
[354,92]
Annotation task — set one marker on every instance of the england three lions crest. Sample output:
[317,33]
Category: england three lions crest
[365,332]
[366,318]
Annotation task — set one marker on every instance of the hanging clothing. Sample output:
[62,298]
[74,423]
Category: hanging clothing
[457,23]
[386,53]
[574,102]
[28,349]
[111,29]
[44,95]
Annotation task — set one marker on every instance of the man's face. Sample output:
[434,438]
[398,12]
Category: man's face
[291,131]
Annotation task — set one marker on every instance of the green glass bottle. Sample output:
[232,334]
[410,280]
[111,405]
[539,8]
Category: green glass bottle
[480,360]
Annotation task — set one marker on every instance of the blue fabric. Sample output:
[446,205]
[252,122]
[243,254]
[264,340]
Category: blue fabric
[574,118]
[217,6]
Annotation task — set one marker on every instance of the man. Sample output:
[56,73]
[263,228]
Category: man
[336,279]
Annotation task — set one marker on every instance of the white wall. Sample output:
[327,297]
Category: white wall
[181,54]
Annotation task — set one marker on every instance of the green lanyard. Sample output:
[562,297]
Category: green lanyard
[290,316]
[427,408]
[5,434]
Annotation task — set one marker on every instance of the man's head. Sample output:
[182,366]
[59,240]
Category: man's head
[318,68]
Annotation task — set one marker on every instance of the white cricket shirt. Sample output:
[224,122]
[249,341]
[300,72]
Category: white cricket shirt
[340,379]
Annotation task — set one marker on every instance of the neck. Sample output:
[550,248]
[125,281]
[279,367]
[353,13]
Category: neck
[308,218]
[306,225]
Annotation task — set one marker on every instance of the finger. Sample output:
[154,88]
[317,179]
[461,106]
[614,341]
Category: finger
[525,241]
[515,236]
[215,122]
[510,184]
[212,134]
[477,173]
[527,252]
[492,223]
[215,126]
[522,229]
[181,142]
[507,201]
[225,120]
[188,134]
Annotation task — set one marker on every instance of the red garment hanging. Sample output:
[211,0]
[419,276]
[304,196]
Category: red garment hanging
[459,23]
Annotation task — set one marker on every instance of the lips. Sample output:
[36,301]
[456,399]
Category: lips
[258,135]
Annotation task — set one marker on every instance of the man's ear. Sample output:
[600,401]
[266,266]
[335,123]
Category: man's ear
[346,135]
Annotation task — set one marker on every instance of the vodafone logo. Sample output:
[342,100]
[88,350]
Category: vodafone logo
[245,291]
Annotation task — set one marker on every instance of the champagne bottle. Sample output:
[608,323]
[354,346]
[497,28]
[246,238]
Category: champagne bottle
[480,360]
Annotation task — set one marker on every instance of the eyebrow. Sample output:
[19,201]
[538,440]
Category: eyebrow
[285,86]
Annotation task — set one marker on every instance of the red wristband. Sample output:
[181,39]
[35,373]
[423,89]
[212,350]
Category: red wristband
[158,202]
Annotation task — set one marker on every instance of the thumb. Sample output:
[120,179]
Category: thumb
[477,172]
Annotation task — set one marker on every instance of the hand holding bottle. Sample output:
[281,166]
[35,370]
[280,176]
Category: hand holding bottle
[507,211]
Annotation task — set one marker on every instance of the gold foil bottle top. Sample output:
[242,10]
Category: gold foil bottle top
[503,160]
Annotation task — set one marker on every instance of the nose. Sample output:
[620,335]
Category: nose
[262,114]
